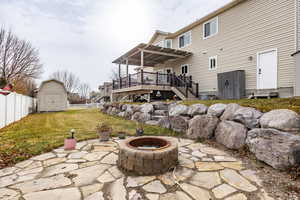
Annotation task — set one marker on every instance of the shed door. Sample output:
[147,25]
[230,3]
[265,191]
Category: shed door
[267,69]
[52,102]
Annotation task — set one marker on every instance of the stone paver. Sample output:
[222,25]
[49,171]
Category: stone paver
[223,190]
[236,180]
[155,187]
[90,173]
[65,194]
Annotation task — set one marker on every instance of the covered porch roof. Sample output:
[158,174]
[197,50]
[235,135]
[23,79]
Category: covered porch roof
[150,55]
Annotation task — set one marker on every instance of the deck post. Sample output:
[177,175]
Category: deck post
[142,76]
[119,70]
[197,89]
[127,67]
[129,80]
[113,84]
[157,78]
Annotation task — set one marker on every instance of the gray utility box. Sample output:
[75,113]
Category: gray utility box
[231,85]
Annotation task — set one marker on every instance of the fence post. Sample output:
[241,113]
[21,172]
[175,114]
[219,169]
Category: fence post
[197,89]
[120,82]
[5,107]
[157,78]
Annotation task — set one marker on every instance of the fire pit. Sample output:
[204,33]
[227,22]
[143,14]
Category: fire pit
[148,155]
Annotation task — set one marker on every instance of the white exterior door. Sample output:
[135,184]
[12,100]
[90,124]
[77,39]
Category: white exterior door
[267,69]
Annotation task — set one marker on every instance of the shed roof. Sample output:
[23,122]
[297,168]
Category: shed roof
[55,80]
[153,55]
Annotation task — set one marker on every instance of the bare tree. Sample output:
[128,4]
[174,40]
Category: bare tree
[70,80]
[114,74]
[84,90]
[18,59]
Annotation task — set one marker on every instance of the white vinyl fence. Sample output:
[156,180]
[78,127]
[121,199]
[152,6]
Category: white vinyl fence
[14,107]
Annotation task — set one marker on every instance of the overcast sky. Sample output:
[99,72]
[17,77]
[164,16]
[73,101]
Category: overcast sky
[85,36]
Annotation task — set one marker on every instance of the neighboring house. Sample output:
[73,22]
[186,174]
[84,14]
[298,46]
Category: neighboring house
[105,91]
[52,96]
[253,36]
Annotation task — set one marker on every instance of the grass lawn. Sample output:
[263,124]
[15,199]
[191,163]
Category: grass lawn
[41,132]
[263,105]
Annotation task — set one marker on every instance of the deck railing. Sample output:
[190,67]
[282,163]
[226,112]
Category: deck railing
[183,83]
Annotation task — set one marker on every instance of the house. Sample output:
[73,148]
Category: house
[52,96]
[256,37]
[105,91]
[296,55]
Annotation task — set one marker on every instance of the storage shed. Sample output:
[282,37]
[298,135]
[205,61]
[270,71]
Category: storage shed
[52,96]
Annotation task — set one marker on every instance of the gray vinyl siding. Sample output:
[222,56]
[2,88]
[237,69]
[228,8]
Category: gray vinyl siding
[244,30]
[298,23]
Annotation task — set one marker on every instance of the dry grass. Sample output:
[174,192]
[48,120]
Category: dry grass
[263,105]
[41,132]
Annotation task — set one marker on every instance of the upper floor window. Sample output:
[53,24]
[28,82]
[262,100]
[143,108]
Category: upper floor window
[168,43]
[210,28]
[185,39]
[213,62]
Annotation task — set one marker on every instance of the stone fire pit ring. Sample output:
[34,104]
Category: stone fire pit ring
[136,155]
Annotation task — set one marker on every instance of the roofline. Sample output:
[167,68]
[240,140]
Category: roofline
[206,18]
[46,81]
[158,32]
[295,53]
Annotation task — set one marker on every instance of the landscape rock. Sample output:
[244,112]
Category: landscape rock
[216,109]
[202,126]
[229,111]
[152,122]
[147,108]
[197,109]
[114,111]
[178,109]
[231,134]
[164,122]
[281,119]
[160,106]
[141,117]
[178,123]
[279,149]
[161,112]
[247,116]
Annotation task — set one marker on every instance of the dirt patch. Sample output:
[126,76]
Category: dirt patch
[283,185]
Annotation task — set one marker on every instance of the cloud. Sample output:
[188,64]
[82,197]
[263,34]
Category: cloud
[84,36]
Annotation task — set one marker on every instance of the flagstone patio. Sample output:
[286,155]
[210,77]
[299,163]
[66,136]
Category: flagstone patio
[90,173]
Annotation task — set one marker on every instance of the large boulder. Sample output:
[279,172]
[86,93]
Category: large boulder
[202,126]
[147,108]
[197,109]
[281,119]
[141,117]
[164,122]
[178,123]
[152,122]
[160,112]
[114,111]
[229,111]
[108,110]
[178,109]
[247,116]
[216,109]
[231,134]
[279,149]
[160,106]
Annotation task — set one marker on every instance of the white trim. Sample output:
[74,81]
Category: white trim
[209,59]
[185,45]
[203,28]
[297,25]
[257,63]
